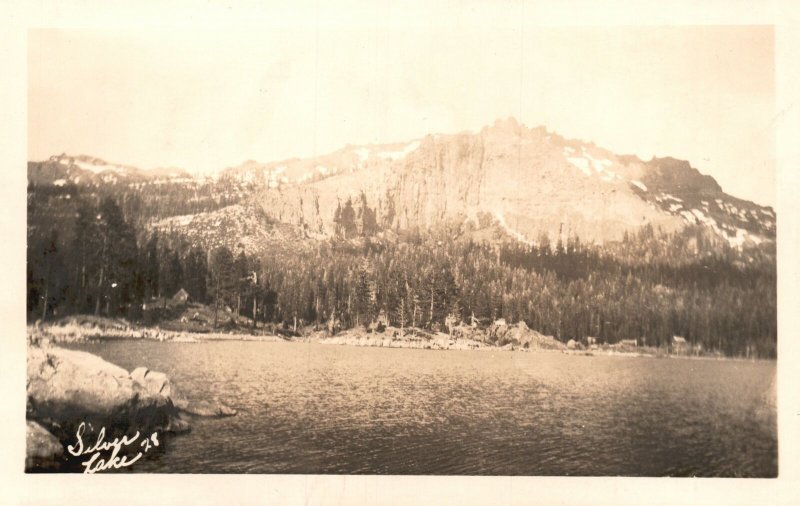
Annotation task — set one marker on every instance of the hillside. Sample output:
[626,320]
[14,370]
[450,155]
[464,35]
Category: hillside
[507,223]
[525,182]
[506,180]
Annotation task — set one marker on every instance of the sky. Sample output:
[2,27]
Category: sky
[208,99]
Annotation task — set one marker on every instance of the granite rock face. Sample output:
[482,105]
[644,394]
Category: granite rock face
[68,387]
[522,182]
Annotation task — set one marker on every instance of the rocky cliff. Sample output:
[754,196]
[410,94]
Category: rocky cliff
[517,182]
[528,181]
[67,388]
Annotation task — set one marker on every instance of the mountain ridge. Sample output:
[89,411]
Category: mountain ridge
[527,182]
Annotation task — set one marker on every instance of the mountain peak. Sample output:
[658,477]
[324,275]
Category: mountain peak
[509,124]
[533,182]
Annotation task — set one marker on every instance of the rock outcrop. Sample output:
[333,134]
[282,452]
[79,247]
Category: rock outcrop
[42,449]
[67,387]
[506,181]
[526,181]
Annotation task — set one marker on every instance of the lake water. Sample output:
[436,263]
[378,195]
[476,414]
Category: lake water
[311,408]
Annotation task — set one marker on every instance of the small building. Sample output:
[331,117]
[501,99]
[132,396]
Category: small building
[180,297]
[380,323]
[382,318]
[629,342]
[679,344]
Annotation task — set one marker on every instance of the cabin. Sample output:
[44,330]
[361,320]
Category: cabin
[180,297]
[380,323]
[629,342]
[382,318]
[679,344]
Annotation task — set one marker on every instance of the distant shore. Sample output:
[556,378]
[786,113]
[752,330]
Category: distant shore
[516,338]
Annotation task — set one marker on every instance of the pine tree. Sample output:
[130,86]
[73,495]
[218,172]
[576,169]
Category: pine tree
[151,267]
[118,258]
[196,274]
[46,280]
[223,278]
[83,255]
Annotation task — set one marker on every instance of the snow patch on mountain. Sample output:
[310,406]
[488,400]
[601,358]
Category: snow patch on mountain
[739,239]
[582,164]
[586,162]
[689,217]
[98,168]
[699,214]
[400,154]
[362,154]
[183,220]
[639,185]
[735,236]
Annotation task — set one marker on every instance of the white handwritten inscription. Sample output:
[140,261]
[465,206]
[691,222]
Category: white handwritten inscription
[113,460]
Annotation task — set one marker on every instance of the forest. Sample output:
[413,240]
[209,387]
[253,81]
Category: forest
[649,286]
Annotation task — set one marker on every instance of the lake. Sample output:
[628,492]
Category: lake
[313,408]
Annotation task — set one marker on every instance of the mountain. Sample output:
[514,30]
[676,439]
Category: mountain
[506,181]
[379,231]
[524,181]
[60,170]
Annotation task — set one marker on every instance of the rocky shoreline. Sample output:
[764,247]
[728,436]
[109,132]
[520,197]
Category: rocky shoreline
[67,388]
[85,328]
[515,337]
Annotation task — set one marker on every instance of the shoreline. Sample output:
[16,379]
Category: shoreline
[106,330]
[70,392]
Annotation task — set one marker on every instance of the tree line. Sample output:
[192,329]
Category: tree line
[665,285]
[103,269]
[649,286]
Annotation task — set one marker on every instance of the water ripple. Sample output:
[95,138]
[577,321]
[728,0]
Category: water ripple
[331,409]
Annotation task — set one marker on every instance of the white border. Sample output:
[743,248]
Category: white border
[18,488]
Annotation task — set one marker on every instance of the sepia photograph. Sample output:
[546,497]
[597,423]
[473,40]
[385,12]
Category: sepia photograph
[424,247]
[324,254]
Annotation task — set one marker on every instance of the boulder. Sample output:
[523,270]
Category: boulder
[497,331]
[157,384]
[154,383]
[42,449]
[208,408]
[62,381]
[66,387]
